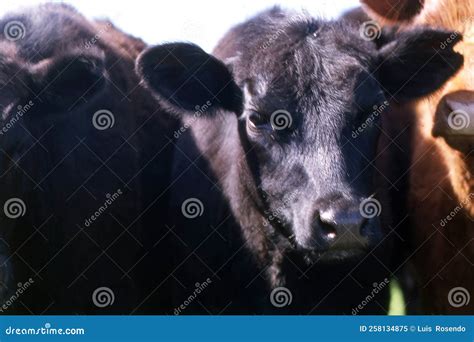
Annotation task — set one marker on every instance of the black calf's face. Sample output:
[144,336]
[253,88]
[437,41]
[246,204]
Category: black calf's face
[299,122]
[308,108]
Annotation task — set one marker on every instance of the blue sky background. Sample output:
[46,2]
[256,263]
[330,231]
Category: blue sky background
[202,22]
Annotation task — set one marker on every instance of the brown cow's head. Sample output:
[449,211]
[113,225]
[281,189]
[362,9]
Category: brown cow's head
[451,111]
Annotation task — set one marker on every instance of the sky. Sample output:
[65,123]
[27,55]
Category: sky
[202,22]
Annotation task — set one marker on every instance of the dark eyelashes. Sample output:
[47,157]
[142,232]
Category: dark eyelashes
[258,117]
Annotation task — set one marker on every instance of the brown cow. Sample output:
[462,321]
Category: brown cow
[441,202]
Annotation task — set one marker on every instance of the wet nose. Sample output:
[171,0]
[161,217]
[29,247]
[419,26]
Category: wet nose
[343,228]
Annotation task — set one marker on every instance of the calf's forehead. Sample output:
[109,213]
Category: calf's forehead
[309,69]
[288,46]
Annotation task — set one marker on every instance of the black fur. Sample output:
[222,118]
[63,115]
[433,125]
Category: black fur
[63,168]
[264,189]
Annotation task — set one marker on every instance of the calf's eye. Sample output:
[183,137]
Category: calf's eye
[257,121]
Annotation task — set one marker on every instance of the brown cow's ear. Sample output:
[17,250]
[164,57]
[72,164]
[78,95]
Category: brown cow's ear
[394,10]
[66,80]
[418,62]
[184,77]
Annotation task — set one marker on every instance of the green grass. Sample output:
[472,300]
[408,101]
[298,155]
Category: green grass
[397,303]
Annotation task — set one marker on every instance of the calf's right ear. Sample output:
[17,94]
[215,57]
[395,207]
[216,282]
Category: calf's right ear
[182,77]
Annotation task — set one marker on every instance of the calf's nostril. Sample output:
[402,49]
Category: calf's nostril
[328,229]
[342,225]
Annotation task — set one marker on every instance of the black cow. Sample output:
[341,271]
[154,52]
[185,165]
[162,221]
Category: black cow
[79,140]
[275,191]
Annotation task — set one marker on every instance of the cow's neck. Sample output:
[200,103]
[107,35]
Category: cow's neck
[220,143]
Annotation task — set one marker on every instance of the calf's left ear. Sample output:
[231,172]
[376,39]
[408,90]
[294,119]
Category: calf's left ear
[418,62]
[182,76]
